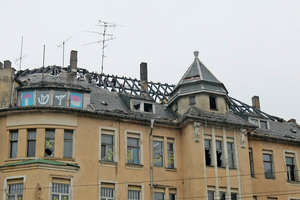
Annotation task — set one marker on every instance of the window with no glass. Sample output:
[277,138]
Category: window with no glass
[208,154]
[213,102]
[268,165]
[68,144]
[49,143]
[31,142]
[219,153]
[13,144]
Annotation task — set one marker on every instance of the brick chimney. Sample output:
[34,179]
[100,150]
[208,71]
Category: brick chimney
[144,75]
[73,61]
[7,64]
[255,102]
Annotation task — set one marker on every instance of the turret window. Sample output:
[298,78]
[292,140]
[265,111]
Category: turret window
[213,102]
[192,100]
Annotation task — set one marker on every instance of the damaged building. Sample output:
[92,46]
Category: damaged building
[67,133]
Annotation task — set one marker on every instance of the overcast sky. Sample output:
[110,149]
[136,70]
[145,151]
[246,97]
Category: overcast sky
[252,46]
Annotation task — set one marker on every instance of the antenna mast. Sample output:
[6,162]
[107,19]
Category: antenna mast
[21,53]
[63,44]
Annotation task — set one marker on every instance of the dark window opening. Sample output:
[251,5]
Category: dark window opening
[222,195]
[192,100]
[49,143]
[263,124]
[268,166]
[219,152]
[13,144]
[136,105]
[148,107]
[233,196]
[251,163]
[212,103]
[208,156]
[211,195]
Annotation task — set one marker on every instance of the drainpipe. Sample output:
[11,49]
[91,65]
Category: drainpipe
[12,90]
[151,160]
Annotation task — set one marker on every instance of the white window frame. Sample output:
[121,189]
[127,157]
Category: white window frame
[60,194]
[288,153]
[5,185]
[103,182]
[259,120]
[142,105]
[114,133]
[70,179]
[139,135]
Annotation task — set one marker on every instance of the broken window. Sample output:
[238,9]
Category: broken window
[212,103]
[107,147]
[208,155]
[136,105]
[133,150]
[158,153]
[13,144]
[148,107]
[219,153]
[233,196]
[230,151]
[251,162]
[49,143]
[31,142]
[68,143]
[15,191]
[171,154]
[192,100]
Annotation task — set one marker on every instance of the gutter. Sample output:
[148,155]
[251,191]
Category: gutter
[151,161]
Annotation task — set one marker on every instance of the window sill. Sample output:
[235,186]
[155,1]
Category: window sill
[171,169]
[293,182]
[56,158]
[134,166]
[45,158]
[105,163]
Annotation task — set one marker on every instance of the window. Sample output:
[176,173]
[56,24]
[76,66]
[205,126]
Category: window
[107,147]
[230,150]
[222,195]
[212,103]
[60,191]
[219,149]
[142,106]
[171,154]
[251,162]
[172,194]
[49,143]
[43,98]
[133,150]
[208,155]
[291,167]
[158,153]
[107,193]
[134,194]
[68,144]
[233,196]
[159,196]
[260,123]
[15,191]
[13,144]
[31,142]
[268,165]
[211,195]
[192,100]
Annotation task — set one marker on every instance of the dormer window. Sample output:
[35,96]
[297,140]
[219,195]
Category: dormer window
[192,100]
[212,102]
[260,123]
[142,106]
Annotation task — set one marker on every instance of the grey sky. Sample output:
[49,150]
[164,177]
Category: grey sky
[251,46]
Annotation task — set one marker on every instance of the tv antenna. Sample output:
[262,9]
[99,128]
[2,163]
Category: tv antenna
[21,54]
[63,44]
[105,25]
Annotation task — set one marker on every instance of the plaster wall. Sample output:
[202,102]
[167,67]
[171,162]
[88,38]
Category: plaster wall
[6,83]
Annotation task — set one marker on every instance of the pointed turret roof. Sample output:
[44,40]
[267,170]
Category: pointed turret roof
[197,79]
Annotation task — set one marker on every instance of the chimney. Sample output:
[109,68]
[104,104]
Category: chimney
[255,102]
[73,61]
[7,64]
[144,75]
